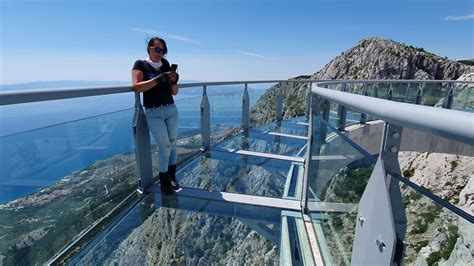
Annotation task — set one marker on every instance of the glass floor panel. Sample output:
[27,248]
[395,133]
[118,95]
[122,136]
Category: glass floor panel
[243,174]
[295,126]
[175,230]
[260,141]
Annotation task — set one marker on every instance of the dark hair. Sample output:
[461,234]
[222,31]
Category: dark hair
[153,39]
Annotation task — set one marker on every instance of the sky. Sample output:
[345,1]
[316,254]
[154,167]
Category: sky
[47,40]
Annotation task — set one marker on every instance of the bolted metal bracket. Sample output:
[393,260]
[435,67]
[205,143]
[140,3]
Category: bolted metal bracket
[375,237]
[390,147]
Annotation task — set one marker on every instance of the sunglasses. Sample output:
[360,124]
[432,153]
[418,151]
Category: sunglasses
[158,49]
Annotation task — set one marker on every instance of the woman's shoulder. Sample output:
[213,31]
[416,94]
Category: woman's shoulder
[138,65]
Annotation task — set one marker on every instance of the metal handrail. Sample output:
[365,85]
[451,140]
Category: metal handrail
[452,124]
[16,97]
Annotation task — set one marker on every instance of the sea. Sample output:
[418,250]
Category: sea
[43,142]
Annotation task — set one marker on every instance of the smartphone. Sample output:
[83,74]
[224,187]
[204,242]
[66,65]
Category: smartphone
[174,67]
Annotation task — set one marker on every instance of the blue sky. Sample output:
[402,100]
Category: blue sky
[215,40]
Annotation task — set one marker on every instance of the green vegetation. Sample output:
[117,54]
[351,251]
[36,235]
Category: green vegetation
[337,223]
[352,186]
[454,164]
[295,104]
[445,251]
[418,246]
[409,172]
[469,62]
[411,197]
[426,218]
[420,227]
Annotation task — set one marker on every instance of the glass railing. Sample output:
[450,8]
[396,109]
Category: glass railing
[337,177]
[432,188]
[59,182]
[76,173]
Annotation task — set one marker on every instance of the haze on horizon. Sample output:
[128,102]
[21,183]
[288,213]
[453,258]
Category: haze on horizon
[210,40]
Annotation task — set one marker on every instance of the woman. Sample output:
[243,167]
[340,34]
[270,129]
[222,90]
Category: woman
[158,83]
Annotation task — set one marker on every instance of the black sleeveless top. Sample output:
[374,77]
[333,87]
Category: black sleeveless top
[160,94]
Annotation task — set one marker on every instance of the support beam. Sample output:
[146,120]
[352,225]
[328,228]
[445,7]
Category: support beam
[279,134]
[262,154]
[287,204]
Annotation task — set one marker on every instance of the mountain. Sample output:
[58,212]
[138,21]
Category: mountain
[376,58]
[372,58]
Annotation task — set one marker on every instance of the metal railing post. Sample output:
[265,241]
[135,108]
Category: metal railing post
[407,93]
[205,120]
[313,111]
[363,116]
[308,101]
[448,97]
[342,112]
[375,91]
[390,92]
[279,104]
[141,137]
[245,109]
[326,111]
[419,93]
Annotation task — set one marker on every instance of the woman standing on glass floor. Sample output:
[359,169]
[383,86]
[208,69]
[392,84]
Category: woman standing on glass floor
[158,82]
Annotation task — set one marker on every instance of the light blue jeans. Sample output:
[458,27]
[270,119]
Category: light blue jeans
[163,124]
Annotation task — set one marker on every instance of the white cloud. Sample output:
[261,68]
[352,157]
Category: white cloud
[250,54]
[166,36]
[147,31]
[468,17]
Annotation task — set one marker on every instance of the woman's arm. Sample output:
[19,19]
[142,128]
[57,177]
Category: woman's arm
[174,89]
[138,84]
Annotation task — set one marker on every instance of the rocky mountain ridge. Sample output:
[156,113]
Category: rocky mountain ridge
[371,58]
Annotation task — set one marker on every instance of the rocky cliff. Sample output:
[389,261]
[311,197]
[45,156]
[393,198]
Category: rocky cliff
[372,58]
